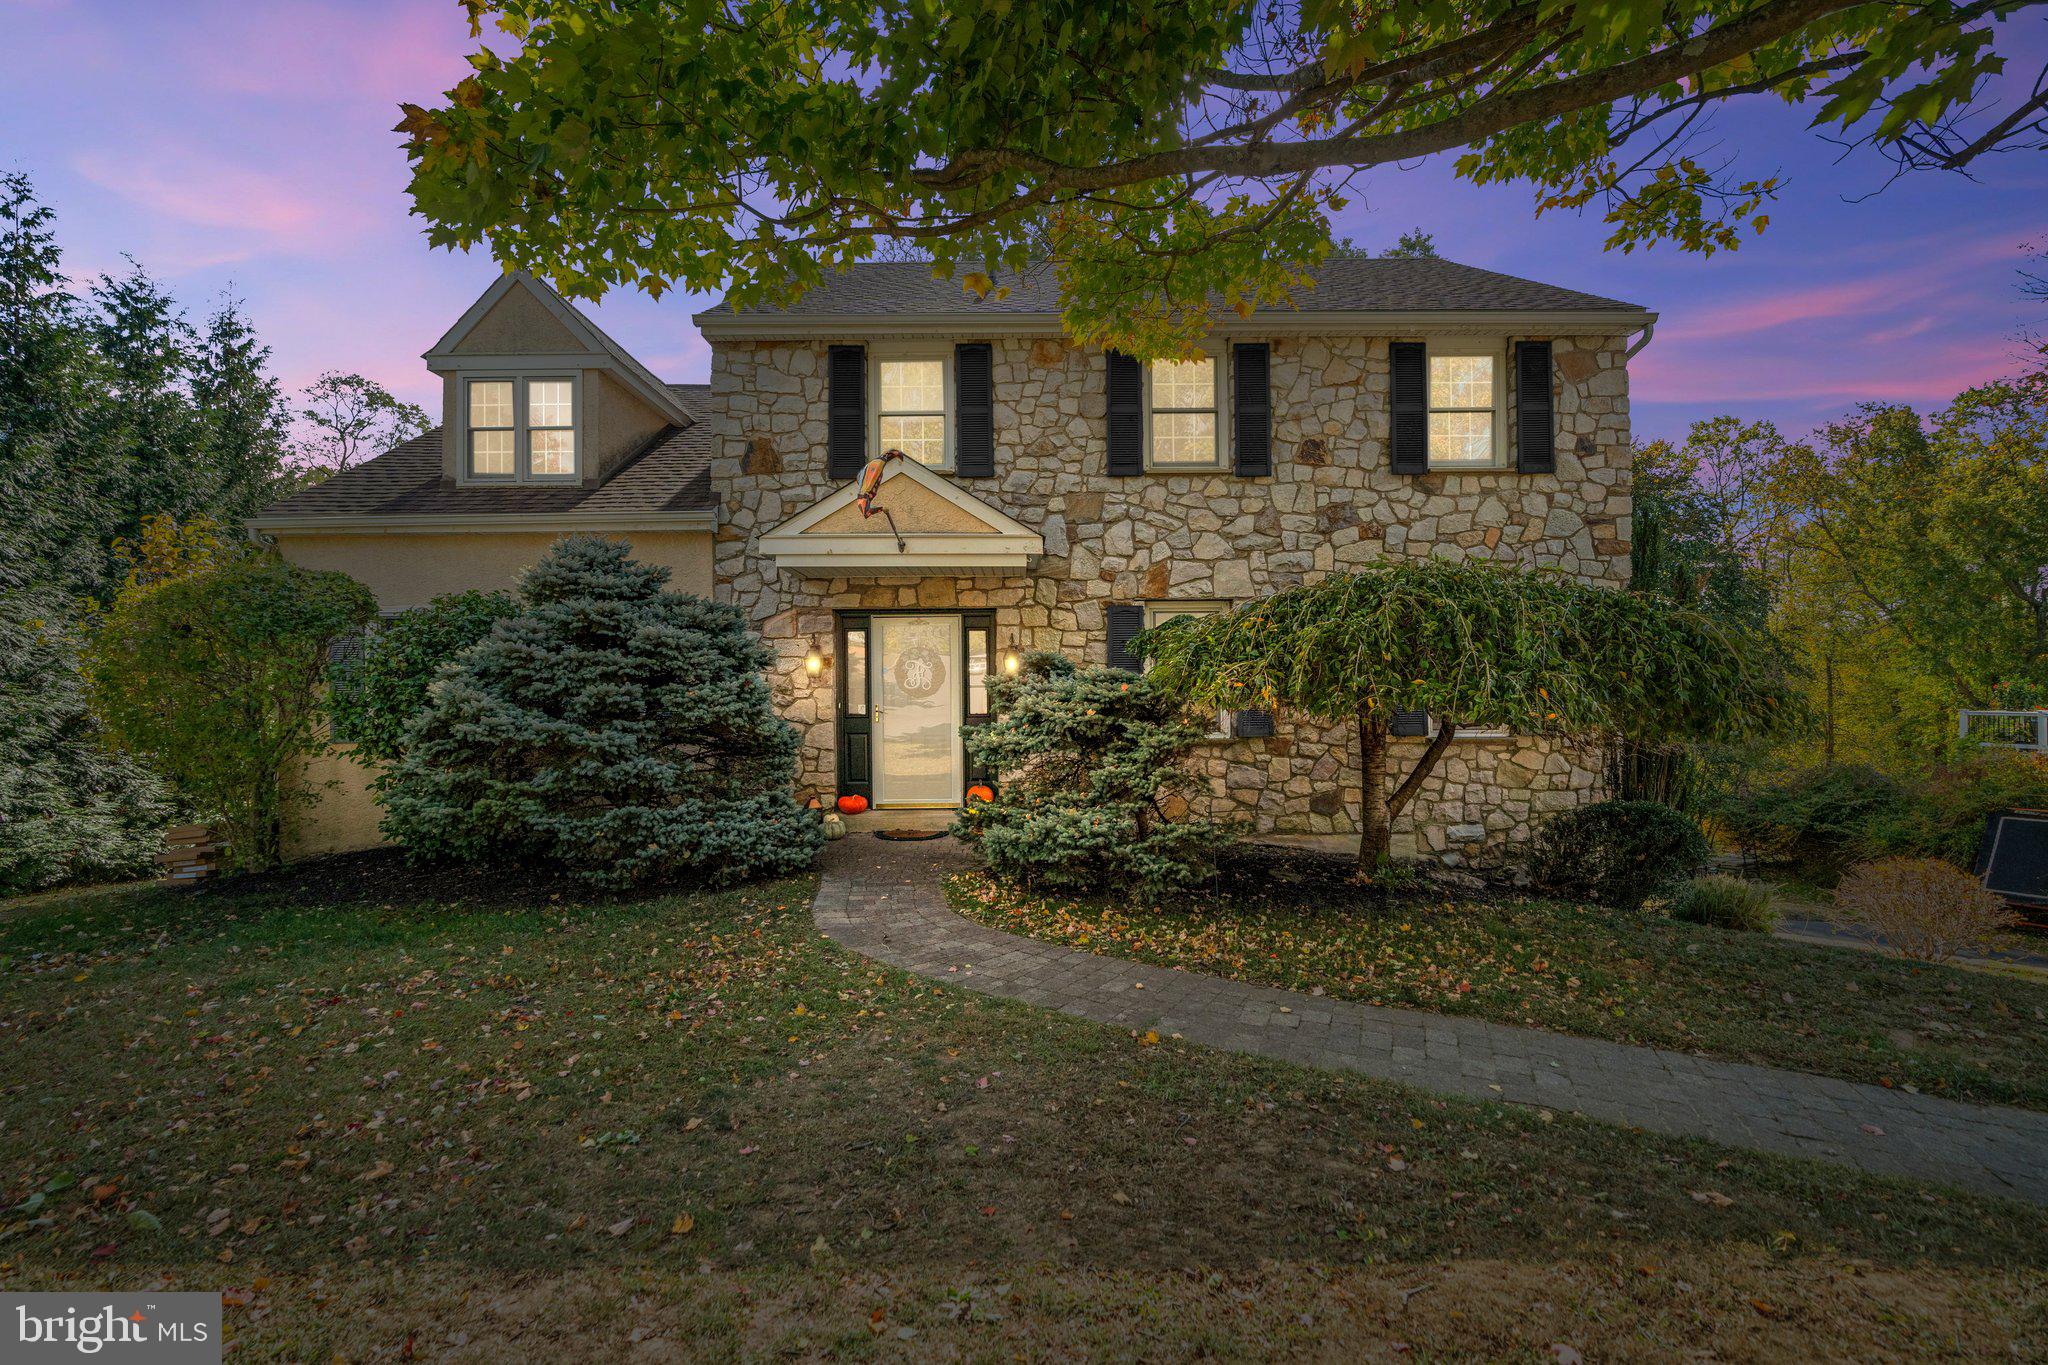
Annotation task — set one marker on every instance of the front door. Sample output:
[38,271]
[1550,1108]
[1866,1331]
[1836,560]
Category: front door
[918,698]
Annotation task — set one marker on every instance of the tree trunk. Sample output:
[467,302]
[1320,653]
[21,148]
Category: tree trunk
[1375,831]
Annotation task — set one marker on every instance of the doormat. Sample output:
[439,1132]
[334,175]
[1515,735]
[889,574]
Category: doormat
[908,835]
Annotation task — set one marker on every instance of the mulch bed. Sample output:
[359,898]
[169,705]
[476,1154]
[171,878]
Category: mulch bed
[1278,874]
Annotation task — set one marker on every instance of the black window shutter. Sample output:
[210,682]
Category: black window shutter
[1125,620]
[1409,724]
[1126,384]
[1252,409]
[974,410]
[1408,392]
[1535,425]
[846,417]
[1253,725]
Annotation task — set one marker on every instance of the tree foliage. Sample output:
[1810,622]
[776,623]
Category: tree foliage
[1164,154]
[1092,782]
[350,419]
[1475,645]
[375,697]
[613,729]
[114,408]
[215,678]
[71,808]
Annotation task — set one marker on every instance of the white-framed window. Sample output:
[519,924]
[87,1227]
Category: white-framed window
[522,428]
[1467,404]
[1159,613]
[914,406]
[1184,413]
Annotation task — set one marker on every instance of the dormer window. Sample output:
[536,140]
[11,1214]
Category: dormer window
[522,428]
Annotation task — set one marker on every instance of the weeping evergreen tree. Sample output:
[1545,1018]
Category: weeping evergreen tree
[1475,646]
[613,729]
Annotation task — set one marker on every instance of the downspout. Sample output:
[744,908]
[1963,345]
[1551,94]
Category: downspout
[1649,330]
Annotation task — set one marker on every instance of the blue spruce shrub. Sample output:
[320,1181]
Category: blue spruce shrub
[1092,783]
[613,729]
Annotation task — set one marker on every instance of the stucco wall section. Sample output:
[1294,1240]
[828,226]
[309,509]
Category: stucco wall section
[1333,503]
[914,508]
[617,423]
[409,570]
[519,324]
[343,812]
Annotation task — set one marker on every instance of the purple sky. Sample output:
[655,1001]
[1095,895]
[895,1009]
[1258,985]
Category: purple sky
[247,146]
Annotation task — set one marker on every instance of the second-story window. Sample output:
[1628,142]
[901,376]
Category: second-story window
[551,427]
[1182,413]
[912,409]
[1464,405]
[492,431]
[521,429]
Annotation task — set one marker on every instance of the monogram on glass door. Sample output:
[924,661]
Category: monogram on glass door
[917,696]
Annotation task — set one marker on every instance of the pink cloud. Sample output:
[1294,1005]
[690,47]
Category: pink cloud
[210,192]
[1849,298]
[313,51]
[1923,376]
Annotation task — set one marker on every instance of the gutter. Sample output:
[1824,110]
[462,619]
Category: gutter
[445,523]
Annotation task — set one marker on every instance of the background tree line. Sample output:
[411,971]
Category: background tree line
[134,444]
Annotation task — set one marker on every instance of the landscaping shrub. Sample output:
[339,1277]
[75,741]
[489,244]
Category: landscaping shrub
[70,808]
[1819,816]
[1828,817]
[377,695]
[1617,853]
[215,678]
[1092,782]
[1724,903]
[1924,907]
[613,729]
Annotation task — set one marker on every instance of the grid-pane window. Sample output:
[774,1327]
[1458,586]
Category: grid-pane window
[1461,413]
[551,427]
[1184,412]
[913,409]
[491,428]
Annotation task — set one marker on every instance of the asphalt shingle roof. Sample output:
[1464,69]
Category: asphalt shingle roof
[671,473]
[1343,284]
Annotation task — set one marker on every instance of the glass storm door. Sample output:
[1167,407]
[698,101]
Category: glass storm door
[917,710]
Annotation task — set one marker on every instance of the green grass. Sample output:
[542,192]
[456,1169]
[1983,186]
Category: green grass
[1634,978]
[402,1127]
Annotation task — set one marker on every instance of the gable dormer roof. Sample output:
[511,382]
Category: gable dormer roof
[581,337]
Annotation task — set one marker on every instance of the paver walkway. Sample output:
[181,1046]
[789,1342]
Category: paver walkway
[888,901]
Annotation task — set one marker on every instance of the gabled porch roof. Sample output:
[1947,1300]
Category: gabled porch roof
[939,529]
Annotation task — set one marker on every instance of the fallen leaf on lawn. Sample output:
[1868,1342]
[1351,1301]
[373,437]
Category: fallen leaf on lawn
[1873,1130]
[1766,1309]
[1714,1197]
[1150,1039]
[684,1222]
[102,1193]
[1565,1355]
[1118,1196]
[693,1125]
[622,1227]
[142,1220]
[378,1171]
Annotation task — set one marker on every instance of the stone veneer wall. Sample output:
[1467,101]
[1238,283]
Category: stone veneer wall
[1332,504]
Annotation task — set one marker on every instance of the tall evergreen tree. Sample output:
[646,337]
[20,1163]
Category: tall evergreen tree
[613,729]
[243,411]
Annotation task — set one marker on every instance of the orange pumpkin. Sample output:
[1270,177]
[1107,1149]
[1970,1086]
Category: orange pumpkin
[978,792]
[852,805]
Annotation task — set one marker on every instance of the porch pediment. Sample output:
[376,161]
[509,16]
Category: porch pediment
[939,528]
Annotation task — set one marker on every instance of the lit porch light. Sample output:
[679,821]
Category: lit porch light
[814,662]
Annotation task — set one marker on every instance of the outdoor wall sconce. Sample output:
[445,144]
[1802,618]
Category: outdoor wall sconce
[814,662]
[1011,663]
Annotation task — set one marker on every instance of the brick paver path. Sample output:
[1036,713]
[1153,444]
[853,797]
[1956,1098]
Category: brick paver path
[888,901]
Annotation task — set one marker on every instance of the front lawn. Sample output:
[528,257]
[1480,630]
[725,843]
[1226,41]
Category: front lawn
[398,1117]
[1634,978]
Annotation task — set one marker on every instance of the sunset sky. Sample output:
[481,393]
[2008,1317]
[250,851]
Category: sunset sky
[247,147]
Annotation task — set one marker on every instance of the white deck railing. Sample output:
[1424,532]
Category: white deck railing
[2008,729]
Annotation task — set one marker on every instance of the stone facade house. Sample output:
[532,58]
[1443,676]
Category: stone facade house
[1050,498]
